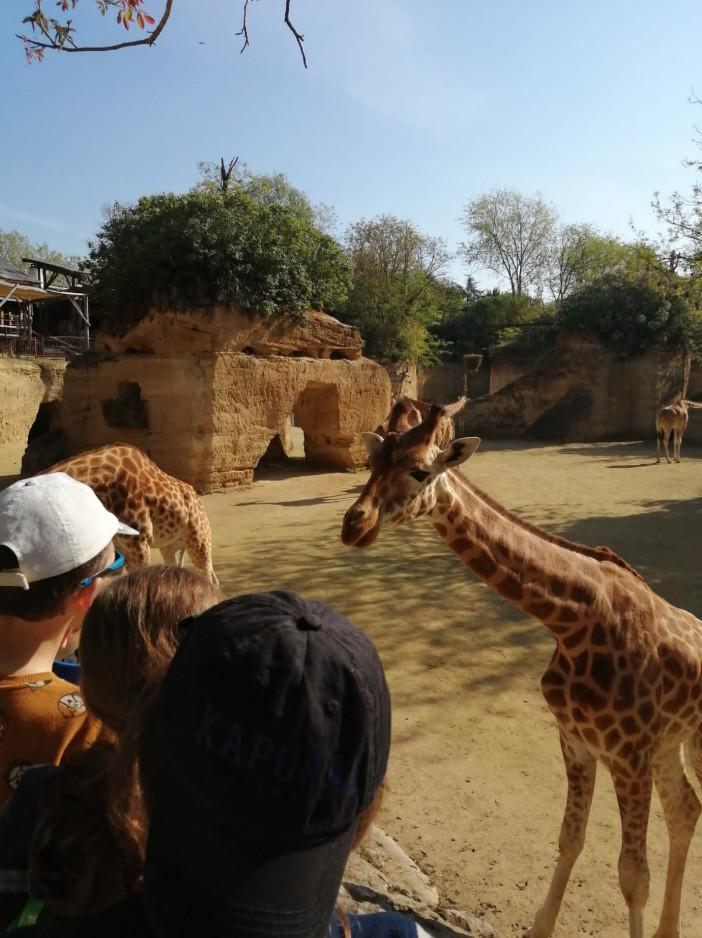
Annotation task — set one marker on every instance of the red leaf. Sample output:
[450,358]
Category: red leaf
[149,19]
[140,20]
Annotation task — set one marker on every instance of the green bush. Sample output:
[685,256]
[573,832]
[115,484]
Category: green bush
[185,251]
[630,317]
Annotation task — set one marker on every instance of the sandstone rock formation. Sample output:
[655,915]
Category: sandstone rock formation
[190,391]
[223,329]
[583,392]
[27,385]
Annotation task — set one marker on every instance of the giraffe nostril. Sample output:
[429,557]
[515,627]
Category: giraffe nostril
[354,515]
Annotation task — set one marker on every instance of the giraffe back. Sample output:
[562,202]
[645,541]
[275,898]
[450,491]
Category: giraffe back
[166,511]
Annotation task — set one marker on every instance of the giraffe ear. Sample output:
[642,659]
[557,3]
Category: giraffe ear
[455,454]
[372,442]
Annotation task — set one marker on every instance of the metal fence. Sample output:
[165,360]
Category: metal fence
[15,345]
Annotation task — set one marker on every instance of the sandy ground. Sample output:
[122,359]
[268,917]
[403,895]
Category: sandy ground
[476,785]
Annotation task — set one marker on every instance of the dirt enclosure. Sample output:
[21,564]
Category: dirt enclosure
[476,785]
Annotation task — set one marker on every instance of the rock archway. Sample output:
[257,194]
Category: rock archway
[205,394]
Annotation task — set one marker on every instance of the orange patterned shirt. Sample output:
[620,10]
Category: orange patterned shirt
[42,718]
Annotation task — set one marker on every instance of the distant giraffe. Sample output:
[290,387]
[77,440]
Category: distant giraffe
[166,512]
[673,419]
[624,682]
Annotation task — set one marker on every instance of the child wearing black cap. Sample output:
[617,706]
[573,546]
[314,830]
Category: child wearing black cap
[265,751]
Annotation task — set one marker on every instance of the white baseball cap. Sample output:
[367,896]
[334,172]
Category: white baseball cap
[53,524]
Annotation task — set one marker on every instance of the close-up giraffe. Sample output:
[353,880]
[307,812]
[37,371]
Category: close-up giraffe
[624,682]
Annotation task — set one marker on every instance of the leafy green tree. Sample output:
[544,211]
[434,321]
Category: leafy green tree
[183,251]
[631,316]
[14,246]
[397,288]
[489,321]
[511,235]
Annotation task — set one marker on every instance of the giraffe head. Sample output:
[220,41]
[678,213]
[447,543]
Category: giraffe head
[406,468]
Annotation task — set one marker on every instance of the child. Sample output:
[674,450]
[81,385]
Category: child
[55,551]
[90,836]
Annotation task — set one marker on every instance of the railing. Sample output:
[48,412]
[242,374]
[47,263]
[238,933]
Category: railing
[15,345]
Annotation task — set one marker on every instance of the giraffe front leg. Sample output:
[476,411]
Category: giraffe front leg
[681,807]
[169,554]
[633,789]
[136,550]
[581,768]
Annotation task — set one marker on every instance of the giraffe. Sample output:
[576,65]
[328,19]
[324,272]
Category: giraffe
[673,419]
[406,413]
[167,512]
[625,679]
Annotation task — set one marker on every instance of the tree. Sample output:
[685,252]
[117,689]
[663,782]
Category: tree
[632,316]
[511,235]
[489,320]
[397,287]
[568,259]
[60,34]
[192,250]
[14,246]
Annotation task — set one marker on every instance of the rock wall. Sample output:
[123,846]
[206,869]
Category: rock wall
[225,329]
[584,392]
[693,434]
[26,384]
[207,414]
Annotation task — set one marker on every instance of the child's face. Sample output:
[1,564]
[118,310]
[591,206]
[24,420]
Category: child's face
[80,602]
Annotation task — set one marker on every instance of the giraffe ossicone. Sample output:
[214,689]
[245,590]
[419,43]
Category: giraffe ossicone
[624,682]
[167,513]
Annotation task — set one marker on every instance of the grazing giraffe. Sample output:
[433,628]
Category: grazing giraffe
[624,682]
[166,512]
[673,419]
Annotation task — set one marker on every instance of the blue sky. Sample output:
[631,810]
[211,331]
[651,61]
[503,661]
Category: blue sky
[408,106]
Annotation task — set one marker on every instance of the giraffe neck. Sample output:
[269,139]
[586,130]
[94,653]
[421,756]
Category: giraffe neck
[545,576]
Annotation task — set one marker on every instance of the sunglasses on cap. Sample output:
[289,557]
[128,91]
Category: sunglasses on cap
[116,565]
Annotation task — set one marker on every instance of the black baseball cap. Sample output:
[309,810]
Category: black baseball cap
[272,737]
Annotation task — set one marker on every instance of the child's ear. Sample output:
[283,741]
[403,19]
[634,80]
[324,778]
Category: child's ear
[84,596]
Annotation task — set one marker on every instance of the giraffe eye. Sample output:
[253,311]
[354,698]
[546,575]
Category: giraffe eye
[419,474]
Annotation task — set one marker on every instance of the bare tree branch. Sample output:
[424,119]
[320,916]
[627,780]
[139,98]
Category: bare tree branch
[298,36]
[244,27]
[59,36]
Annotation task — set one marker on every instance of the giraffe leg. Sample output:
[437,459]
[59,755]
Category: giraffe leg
[666,437]
[633,791]
[136,550]
[680,436]
[580,769]
[659,437]
[198,545]
[682,808]
[169,554]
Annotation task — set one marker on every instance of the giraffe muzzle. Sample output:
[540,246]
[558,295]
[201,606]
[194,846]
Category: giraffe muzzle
[359,528]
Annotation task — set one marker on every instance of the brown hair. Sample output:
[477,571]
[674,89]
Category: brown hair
[365,820]
[44,598]
[77,862]
[131,633]
[89,843]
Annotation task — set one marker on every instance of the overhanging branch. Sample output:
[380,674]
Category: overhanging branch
[35,44]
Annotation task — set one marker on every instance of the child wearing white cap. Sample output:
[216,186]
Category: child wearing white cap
[55,550]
